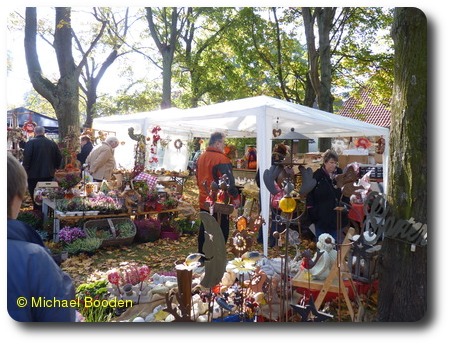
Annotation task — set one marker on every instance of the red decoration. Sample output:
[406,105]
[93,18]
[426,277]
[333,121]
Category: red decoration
[29,126]
[363,142]
[144,272]
[114,277]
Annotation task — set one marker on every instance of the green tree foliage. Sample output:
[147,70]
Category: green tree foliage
[212,54]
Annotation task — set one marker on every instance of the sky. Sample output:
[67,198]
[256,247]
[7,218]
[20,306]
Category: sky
[436,324]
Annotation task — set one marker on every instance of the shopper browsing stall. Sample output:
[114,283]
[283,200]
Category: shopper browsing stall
[213,165]
[86,148]
[322,201]
[101,161]
[41,158]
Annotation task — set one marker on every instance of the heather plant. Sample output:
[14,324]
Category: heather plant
[69,234]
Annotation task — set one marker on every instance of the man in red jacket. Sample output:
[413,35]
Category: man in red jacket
[213,165]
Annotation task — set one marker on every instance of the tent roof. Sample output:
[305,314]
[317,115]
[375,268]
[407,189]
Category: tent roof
[238,119]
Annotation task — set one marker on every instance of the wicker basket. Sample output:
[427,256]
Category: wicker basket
[110,225]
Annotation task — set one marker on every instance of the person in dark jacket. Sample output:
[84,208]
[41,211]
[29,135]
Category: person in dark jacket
[211,166]
[36,284]
[86,148]
[41,157]
[325,197]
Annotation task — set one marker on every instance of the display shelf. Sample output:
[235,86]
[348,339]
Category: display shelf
[48,210]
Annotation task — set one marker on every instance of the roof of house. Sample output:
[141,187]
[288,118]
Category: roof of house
[364,109]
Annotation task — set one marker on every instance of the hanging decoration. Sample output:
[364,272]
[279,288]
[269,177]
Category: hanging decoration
[178,144]
[381,144]
[165,142]
[276,131]
[154,147]
[139,150]
[363,143]
[29,126]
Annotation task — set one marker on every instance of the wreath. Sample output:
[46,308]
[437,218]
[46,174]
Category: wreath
[363,142]
[178,144]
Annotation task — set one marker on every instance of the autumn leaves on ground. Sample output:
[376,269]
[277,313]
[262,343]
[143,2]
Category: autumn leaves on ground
[159,256]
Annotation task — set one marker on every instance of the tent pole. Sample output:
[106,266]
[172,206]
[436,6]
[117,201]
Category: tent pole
[264,147]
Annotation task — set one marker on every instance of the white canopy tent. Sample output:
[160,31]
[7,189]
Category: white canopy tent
[143,123]
[251,117]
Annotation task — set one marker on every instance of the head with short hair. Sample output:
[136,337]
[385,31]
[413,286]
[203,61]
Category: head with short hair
[112,141]
[330,154]
[85,138]
[39,130]
[216,137]
[17,183]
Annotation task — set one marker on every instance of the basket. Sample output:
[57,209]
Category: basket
[111,225]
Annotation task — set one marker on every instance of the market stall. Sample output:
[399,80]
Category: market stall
[249,117]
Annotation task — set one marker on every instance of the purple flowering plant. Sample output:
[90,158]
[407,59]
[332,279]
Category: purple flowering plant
[69,234]
[70,180]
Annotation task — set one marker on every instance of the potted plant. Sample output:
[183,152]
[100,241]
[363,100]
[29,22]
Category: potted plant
[188,226]
[70,234]
[68,181]
[170,229]
[57,251]
[147,230]
[31,217]
[86,245]
[170,203]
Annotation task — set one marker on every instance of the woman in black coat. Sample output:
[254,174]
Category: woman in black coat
[325,197]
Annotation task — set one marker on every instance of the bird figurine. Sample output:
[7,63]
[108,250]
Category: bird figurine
[197,259]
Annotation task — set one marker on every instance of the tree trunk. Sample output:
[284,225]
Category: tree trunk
[64,96]
[324,23]
[403,271]
[166,40]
